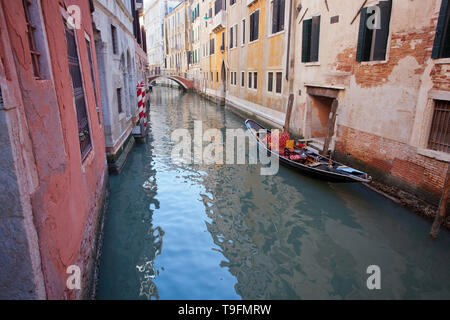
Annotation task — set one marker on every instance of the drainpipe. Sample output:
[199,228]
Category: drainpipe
[290,80]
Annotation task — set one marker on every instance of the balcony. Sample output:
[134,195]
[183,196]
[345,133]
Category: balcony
[219,21]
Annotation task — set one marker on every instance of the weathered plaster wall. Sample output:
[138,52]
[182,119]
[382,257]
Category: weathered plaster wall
[65,200]
[117,71]
[384,106]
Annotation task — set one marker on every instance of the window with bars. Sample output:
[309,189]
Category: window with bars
[439,138]
[78,91]
[278,15]
[372,43]
[31,30]
[441,47]
[310,39]
[94,84]
[254,26]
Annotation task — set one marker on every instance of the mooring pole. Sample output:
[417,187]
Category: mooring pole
[288,112]
[440,214]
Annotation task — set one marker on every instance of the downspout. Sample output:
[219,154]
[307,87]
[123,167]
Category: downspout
[289,43]
[290,100]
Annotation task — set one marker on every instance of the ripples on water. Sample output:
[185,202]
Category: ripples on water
[226,232]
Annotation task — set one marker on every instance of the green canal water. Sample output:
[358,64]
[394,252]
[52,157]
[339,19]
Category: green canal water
[226,232]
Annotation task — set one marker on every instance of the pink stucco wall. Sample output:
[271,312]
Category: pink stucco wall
[68,197]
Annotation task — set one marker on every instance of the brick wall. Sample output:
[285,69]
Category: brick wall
[393,158]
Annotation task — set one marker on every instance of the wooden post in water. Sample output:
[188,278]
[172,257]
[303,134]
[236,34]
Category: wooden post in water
[330,126]
[440,214]
[287,120]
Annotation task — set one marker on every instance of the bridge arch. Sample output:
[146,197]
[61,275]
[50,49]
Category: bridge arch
[184,83]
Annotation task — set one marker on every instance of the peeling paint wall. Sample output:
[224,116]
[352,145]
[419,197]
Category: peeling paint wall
[384,106]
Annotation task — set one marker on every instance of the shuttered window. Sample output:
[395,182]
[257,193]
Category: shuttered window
[439,138]
[278,15]
[78,91]
[270,82]
[254,26]
[441,47]
[310,40]
[372,43]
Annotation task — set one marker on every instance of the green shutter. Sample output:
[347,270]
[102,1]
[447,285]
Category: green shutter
[440,30]
[315,36]
[382,35]
[361,35]
[306,40]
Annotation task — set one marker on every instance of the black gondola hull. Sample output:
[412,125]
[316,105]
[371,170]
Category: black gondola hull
[330,176]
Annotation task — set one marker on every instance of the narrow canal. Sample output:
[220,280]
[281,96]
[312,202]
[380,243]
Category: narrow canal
[226,232]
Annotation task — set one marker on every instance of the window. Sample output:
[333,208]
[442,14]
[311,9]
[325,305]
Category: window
[243,31]
[217,77]
[441,47]
[222,47]
[217,6]
[250,80]
[439,138]
[254,26]
[232,2]
[278,82]
[255,80]
[119,99]
[277,15]
[94,84]
[270,82]
[242,79]
[211,46]
[231,78]
[310,40]
[372,43]
[234,78]
[114,39]
[78,92]
[233,36]
[36,35]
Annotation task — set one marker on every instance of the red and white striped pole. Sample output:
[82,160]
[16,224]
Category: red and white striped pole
[140,102]
[143,103]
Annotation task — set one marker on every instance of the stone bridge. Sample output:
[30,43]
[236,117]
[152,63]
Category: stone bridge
[183,82]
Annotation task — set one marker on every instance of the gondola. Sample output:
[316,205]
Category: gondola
[306,161]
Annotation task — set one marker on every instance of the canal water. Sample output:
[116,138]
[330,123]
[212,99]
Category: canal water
[226,232]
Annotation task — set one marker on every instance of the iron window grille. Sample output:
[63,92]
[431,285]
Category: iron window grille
[439,138]
[78,91]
